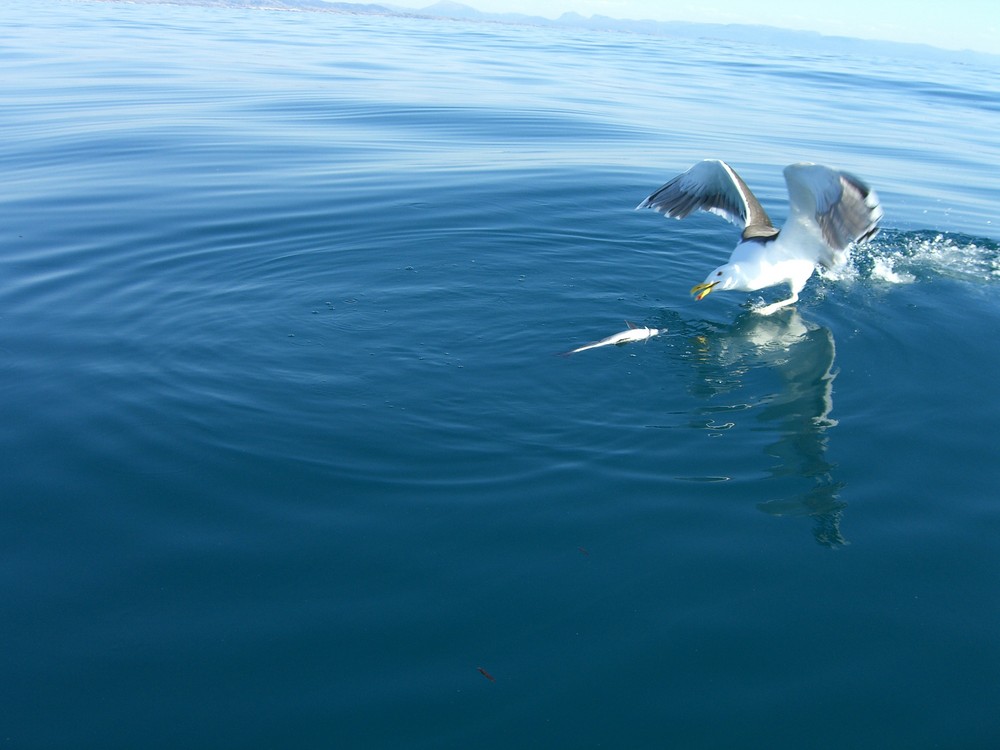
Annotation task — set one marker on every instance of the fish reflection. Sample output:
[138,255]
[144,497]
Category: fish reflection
[745,357]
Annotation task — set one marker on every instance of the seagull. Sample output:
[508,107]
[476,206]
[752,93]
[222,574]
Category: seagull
[829,210]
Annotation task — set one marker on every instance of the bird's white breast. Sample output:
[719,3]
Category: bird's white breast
[764,264]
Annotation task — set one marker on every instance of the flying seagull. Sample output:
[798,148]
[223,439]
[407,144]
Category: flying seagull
[829,210]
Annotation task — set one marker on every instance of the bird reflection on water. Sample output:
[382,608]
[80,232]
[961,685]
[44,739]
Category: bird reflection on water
[727,361]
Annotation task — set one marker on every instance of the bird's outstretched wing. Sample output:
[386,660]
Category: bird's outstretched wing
[836,205]
[712,185]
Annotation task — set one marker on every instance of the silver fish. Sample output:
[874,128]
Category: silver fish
[633,333]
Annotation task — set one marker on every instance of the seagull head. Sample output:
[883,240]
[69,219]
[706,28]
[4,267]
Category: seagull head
[723,278]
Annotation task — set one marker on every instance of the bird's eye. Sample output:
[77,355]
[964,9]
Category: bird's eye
[719,273]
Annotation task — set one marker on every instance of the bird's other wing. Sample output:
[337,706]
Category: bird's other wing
[838,205]
[712,185]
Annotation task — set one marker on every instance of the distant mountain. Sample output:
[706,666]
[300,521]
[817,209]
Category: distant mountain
[318,6]
[446,9]
[786,38]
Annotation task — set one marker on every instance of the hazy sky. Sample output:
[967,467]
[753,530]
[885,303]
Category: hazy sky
[959,24]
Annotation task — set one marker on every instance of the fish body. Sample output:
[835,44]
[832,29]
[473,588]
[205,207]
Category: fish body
[632,333]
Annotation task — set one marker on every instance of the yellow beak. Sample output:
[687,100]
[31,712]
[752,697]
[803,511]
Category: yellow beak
[701,290]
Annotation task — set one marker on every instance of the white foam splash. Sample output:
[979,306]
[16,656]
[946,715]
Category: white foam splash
[965,258]
[883,270]
[907,257]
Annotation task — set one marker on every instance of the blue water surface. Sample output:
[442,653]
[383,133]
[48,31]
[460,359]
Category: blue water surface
[287,454]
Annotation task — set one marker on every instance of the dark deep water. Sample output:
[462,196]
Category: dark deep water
[285,454]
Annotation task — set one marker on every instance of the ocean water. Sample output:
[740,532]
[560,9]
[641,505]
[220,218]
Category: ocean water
[287,457]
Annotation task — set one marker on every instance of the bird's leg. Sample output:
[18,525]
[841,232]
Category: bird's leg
[768,309]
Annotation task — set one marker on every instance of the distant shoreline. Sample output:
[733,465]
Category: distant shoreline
[811,41]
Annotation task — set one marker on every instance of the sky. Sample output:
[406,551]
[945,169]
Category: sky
[957,25]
